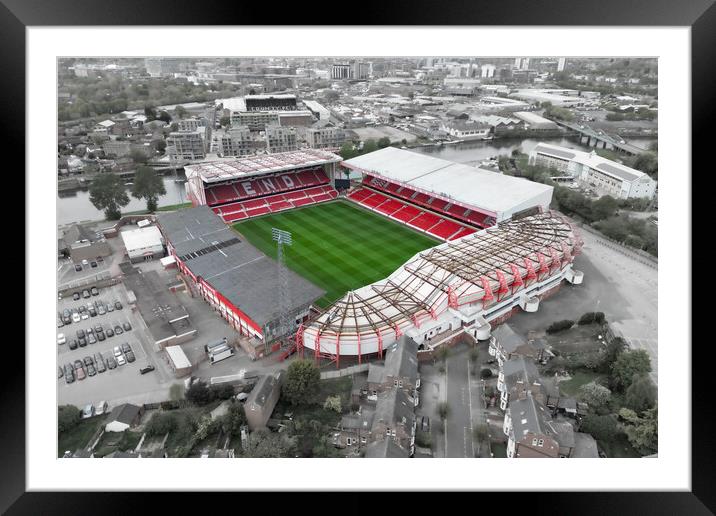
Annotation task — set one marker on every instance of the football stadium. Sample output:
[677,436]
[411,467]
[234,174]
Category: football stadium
[418,246]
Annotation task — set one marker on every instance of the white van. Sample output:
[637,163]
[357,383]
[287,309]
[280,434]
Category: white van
[88,411]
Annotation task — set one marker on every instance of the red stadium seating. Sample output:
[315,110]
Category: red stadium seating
[300,194]
[322,197]
[457,211]
[258,211]
[438,204]
[235,216]
[221,194]
[463,232]
[280,206]
[445,229]
[303,202]
[390,206]
[374,200]
[254,204]
[406,213]
[425,220]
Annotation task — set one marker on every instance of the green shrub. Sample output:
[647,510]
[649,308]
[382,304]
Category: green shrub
[559,326]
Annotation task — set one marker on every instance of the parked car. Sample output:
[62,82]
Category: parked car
[146,369]
[80,334]
[88,360]
[82,342]
[130,356]
[126,348]
[100,363]
[61,338]
[117,351]
[75,317]
[84,316]
[60,324]
[100,336]
[91,339]
[118,305]
[73,344]
[121,360]
[109,332]
[78,267]
[118,330]
[93,312]
[76,296]
[91,371]
[93,264]
[100,259]
[111,362]
[101,310]
[101,408]
[88,411]
[79,370]
[85,262]
[69,373]
[94,291]
[86,294]
[127,326]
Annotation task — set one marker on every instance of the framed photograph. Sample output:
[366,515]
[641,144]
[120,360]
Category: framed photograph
[432,235]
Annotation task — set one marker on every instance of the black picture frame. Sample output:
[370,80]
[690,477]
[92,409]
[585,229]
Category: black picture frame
[16,15]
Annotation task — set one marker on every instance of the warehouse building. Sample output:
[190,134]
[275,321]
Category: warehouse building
[591,170]
[536,122]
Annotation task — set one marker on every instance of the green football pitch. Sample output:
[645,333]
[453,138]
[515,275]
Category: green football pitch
[337,246]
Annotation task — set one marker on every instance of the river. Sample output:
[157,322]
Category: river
[75,206]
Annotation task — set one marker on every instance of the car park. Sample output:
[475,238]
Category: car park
[86,294]
[127,326]
[100,363]
[73,344]
[118,305]
[146,369]
[118,330]
[76,296]
[94,291]
[111,362]
[61,338]
[109,332]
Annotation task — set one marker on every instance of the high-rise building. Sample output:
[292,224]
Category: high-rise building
[341,71]
[522,63]
[487,71]
[561,63]
[158,66]
[325,137]
[186,146]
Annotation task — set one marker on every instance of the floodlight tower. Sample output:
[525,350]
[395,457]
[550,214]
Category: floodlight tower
[282,238]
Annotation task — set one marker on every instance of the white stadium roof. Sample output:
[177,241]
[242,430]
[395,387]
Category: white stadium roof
[225,170]
[475,187]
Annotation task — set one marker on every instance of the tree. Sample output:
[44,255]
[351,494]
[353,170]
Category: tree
[149,186]
[647,162]
[233,420]
[223,392]
[558,326]
[369,146]
[164,117]
[614,348]
[333,403]
[347,151]
[107,193]
[68,417]
[265,444]
[225,121]
[595,395]
[485,373]
[628,365]
[161,423]
[302,381]
[331,96]
[200,394]
[138,156]
[604,207]
[641,394]
[642,432]
[481,433]
[443,410]
[602,428]
[150,112]
[180,111]
[383,142]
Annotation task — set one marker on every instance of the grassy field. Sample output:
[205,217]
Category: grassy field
[338,246]
[79,436]
[571,387]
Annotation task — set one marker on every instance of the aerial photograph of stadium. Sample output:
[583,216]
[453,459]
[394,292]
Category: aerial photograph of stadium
[364,257]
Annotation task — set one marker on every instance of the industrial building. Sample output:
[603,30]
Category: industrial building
[457,287]
[270,102]
[591,170]
[232,275]
[536,122]
[143,244]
